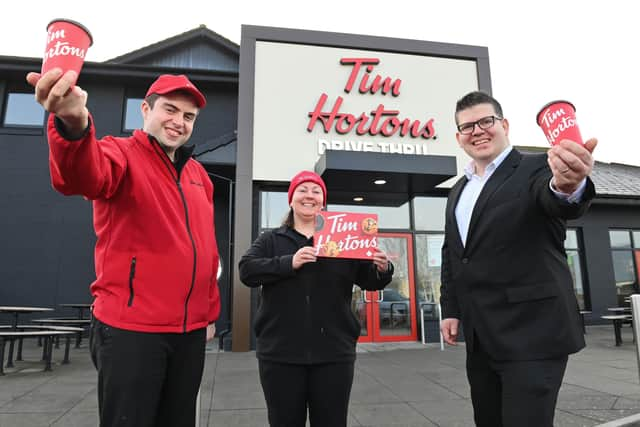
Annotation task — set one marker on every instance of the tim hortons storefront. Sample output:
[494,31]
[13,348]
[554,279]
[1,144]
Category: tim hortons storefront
[374,117]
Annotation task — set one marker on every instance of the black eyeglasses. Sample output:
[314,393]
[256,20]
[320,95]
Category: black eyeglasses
[484,123]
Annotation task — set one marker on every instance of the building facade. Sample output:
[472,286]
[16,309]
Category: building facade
[249,139]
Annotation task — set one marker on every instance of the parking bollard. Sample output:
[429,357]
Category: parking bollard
[635,312]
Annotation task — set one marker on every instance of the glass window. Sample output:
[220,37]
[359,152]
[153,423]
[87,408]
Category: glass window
[388,217]
[624,260]
[23,110]
[636,239]
[573,259]
[571,241]
[619,239]
[429,213]
[428,261]
[273,209]
[623,268]
[132,114]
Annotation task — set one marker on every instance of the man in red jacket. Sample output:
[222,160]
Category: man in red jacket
[156,294]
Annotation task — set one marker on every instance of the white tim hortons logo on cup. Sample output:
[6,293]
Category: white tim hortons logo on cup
[558,121]
[56,46]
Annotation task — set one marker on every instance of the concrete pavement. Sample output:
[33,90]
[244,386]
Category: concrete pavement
[399,384]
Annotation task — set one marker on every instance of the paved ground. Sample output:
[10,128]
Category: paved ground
[406,385]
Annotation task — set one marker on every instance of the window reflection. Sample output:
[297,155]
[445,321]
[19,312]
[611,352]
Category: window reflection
[388,217]
[132,115]
[619,239]
[624,262]
[23,110]
[572,249]
[274,208]
[428,262]
[394,304]
[429,213]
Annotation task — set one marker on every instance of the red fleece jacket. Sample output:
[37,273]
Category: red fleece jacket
[156,255]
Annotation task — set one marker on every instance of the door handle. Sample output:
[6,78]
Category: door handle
[364,296]
[380,296]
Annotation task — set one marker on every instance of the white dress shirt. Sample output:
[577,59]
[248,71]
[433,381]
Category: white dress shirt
[475,184]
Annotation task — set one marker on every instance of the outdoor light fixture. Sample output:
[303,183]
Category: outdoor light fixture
[380,181]
[358,199]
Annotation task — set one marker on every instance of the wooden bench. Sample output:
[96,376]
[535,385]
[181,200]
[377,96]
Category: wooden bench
[618,320]
[32,331]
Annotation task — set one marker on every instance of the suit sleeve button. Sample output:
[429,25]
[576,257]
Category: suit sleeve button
[465,260]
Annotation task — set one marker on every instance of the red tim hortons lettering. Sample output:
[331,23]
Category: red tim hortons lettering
[379,121]
[382,85]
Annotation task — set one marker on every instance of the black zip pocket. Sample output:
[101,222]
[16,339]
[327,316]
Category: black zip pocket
[132,275]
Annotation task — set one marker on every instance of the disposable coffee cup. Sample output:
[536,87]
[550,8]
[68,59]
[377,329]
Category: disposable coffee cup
[67,45]
[557,120]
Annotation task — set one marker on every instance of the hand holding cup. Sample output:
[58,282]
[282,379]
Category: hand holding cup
[57,93]
[557,120]
[570,163]
[67,45]
[55,86]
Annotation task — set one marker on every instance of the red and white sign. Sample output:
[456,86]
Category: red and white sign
[346,235]
[311,98]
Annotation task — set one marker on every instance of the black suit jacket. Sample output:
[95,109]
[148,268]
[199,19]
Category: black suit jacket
[510,285]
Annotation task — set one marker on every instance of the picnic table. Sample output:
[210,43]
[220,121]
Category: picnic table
[28,331]
[16,311]
[620,310]
[66,321]
[81,307]
[618,320]
[582,313]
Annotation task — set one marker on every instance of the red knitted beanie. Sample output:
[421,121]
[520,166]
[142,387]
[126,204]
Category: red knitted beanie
[307,176]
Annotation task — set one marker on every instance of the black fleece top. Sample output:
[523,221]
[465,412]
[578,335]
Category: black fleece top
[304,316]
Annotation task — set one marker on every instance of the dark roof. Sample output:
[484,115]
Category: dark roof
[199,32]
[197,49]
[612,180]
[616,180]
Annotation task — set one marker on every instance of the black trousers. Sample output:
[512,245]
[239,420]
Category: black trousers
[513,393]
[147,379]
[290,389]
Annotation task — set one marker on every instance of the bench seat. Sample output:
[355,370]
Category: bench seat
[47,334]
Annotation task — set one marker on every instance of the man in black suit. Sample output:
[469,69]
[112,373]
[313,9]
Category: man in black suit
[504,269]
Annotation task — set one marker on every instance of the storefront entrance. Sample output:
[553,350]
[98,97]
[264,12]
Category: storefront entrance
[390,315]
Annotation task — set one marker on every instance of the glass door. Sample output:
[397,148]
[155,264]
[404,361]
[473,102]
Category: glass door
[390,314]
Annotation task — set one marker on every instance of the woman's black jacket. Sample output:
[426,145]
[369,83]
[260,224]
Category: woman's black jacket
[304,316]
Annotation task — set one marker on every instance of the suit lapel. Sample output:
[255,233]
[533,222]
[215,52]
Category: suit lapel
[454,195]
[504,171]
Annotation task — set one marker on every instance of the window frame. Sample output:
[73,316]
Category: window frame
[584,299]
[634,252]
[125,106]
[21,128]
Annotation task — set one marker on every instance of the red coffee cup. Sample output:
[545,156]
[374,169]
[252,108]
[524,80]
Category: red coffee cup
[558,121]
[67,45]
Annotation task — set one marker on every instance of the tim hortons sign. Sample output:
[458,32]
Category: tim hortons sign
[383,125]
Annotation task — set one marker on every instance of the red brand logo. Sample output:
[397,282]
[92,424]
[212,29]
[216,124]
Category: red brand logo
[379,121]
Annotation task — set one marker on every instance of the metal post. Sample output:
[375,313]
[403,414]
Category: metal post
[440,326]
[422,320]
[198,409]
[635,311]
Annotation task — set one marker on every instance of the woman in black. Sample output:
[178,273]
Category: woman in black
[306,332]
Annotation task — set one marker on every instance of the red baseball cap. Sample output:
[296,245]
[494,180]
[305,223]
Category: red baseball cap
[167,83]
[307,176]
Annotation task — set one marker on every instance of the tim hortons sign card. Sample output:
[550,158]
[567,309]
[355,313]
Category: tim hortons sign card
[346,235]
